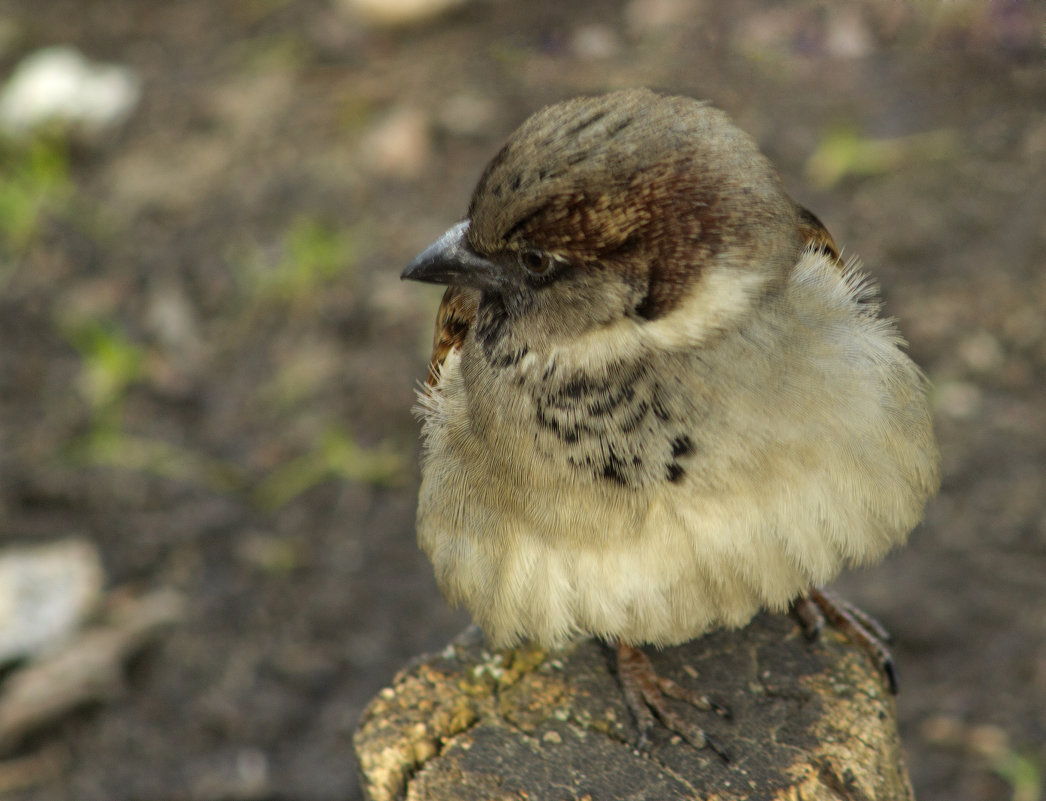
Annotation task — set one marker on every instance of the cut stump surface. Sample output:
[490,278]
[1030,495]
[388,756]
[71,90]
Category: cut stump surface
[809,721]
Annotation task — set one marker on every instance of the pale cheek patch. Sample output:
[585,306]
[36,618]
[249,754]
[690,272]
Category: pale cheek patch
[721,298]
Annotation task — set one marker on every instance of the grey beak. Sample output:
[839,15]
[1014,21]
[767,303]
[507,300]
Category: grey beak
[450,260]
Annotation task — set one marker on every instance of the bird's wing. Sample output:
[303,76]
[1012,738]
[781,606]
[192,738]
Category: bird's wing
[816,236]
[457,313]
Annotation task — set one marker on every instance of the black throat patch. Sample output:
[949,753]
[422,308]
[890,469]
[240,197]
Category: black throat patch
[616,427]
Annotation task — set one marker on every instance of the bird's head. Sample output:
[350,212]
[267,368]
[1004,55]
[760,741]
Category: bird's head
[623,206]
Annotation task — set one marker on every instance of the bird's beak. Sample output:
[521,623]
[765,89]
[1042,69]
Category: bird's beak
[450,260]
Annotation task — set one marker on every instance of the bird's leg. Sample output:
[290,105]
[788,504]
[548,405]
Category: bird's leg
[817,606]
[645,693]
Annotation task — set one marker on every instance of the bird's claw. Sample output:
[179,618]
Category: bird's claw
[817,607]
[646,694]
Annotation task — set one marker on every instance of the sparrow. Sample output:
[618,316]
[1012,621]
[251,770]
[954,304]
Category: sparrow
[659,399]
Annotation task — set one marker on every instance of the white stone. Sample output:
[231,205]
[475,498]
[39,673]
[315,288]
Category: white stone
[399,12]
[46,592]
[57,85]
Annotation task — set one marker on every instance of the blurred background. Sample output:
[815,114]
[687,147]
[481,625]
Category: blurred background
[208,463]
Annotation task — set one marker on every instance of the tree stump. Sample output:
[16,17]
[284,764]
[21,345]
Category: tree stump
[810,720]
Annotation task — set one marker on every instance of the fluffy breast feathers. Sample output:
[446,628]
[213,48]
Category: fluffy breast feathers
[643,484]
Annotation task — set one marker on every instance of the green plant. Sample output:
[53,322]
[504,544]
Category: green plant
[335,455]
[311,254]
[110,364]
[110,446]
[1022,772]
[843,151]
[34,180]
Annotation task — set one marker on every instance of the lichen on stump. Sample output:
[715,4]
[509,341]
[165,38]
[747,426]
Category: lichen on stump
[809,721]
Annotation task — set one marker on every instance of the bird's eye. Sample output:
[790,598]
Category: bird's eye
[537,262]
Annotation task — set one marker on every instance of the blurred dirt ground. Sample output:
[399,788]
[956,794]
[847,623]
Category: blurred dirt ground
[207,360]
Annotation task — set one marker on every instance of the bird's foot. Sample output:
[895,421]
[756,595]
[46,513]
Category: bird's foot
[647,693]
[813,609]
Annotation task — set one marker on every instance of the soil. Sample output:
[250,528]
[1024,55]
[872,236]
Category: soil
[207,361]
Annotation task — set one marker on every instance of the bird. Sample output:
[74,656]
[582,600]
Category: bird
[659,399]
